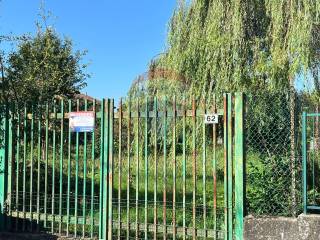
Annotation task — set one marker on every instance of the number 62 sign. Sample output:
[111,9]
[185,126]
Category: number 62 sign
[211,118]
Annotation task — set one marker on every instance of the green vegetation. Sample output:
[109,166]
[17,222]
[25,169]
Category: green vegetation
[265,49]
[123,190]
[216,45]
[43,67]
[260,47]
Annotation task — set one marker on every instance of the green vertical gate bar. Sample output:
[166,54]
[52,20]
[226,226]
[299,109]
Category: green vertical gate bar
[174,168]
[53,166]
[68,171]
[101,185]
[239,165]
[214,170]
[204,173]
[61,164]
[129,169]
[17,178]
[18,181]
[165,169]
[84,197]
[105,179]
[76,180]
[24,168]
[110,170]
[194,168]
[146,171]
[93,166]
[155,196]
[312,156]
[120,168]
[4,121]
[31,166]
[46,165]
[103,167]
[38,167]
[304,161]
[184,166]
[225,148]
[230,168]
[10,163]
[137,142]
[107,170]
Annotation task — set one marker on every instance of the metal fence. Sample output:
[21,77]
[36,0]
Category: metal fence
[169,174]
[53,174]
[151,169]
[310,150]
[268,138]
[274,152]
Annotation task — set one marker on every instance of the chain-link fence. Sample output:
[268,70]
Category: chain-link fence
[273,133]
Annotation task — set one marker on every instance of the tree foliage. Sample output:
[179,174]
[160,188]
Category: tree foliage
[262,47]
[239,45]
[44,67]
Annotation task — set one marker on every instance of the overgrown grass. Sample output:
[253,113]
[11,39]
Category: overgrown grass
[137,202]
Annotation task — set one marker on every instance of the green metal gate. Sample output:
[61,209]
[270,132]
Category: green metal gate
[151,169]
[311,161]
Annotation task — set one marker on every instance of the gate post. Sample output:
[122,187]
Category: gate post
[230,170]
[228,167]
[4,137]
[239,152]
[304,162]
[225,181]
[110,168]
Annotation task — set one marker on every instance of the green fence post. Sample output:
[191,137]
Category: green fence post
[239,165]
[4,131]
[214,169]
[230,167]
[225,179]
[104,151]
[10,167]
[61,164]
[146,170]
[304,160]
[129,170]
[155,196]
[110,167]
[93,166]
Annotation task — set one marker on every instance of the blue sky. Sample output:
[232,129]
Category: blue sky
[121,36]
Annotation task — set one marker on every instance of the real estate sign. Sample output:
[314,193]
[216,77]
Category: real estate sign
[81,121]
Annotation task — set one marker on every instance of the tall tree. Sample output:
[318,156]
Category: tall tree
[4,86]
[233,45]
[44,67]
[241,45]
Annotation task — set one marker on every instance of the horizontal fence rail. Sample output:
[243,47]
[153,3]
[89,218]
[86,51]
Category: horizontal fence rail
[150,169]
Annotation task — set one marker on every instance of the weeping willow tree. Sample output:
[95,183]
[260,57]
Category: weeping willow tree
[216,46]
[238,45]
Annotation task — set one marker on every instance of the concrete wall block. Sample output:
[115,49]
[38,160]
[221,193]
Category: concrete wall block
[305,227]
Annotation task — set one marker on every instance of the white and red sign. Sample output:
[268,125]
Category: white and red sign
[81,121]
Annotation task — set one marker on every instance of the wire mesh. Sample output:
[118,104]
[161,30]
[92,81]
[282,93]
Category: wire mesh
[273,150]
